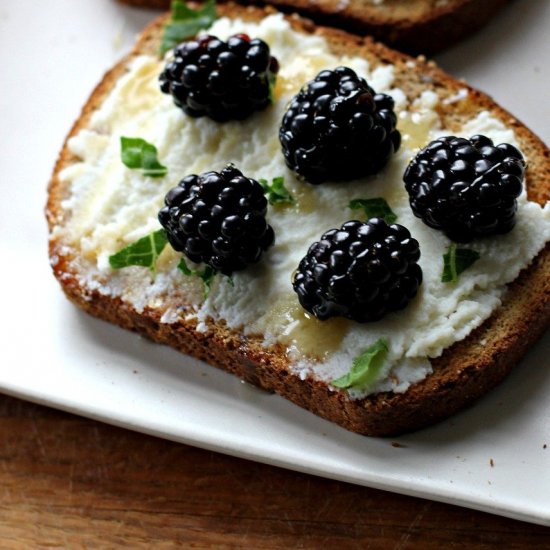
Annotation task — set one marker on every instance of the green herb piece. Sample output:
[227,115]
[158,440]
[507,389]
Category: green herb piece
[366,368]
[184,268]
[138,153]
[272,83]
[207,274]
[374,208]
[455,261]
[276,192]
[144,252]
[186,23]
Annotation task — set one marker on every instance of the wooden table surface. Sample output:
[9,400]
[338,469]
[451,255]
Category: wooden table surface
[70,482]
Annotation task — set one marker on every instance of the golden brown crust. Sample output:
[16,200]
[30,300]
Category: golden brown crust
[463,373]
[422,26]
[413,26]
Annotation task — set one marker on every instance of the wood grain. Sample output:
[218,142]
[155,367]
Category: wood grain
[69,482]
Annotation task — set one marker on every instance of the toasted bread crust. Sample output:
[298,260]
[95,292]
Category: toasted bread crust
[465,371]
[427,27]
[413,26]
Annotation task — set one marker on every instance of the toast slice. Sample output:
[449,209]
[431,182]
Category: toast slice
[461,374]
[413,26]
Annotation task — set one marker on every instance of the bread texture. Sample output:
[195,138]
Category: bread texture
[413,26]
[463,373]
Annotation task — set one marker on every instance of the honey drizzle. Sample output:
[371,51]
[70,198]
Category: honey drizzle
[304,332]
[415,128]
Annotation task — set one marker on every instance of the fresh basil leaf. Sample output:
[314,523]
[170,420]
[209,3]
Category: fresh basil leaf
[207,274]
[272,83]
[276,192]
[181,11]
[374,208]
[137,153]
[144,252]
[366,368]
[455,261]
[184,268]
[186,23]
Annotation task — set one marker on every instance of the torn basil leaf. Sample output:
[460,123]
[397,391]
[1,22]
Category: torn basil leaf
[366,368]
[186,23]
[137,153]
[374,208]
[143,252]
[455,261]
[206,274]
[272,84]
[276,192]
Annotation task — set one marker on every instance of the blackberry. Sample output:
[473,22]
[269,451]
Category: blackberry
[361,271]
[222,80]
[218,219]
[466,187]
[337,128]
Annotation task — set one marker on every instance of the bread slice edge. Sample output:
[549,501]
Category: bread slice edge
[430,29]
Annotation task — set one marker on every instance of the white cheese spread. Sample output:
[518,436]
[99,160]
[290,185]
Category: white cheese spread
[112,206]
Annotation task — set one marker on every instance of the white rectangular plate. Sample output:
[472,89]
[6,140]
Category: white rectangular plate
[491,457]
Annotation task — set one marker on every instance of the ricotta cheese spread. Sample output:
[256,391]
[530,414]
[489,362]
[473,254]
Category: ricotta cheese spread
[112,206]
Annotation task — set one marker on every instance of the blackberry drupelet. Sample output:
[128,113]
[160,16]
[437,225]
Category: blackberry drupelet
[361,271]
[222,80]
[466,187]
[218,219]
[337,128]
